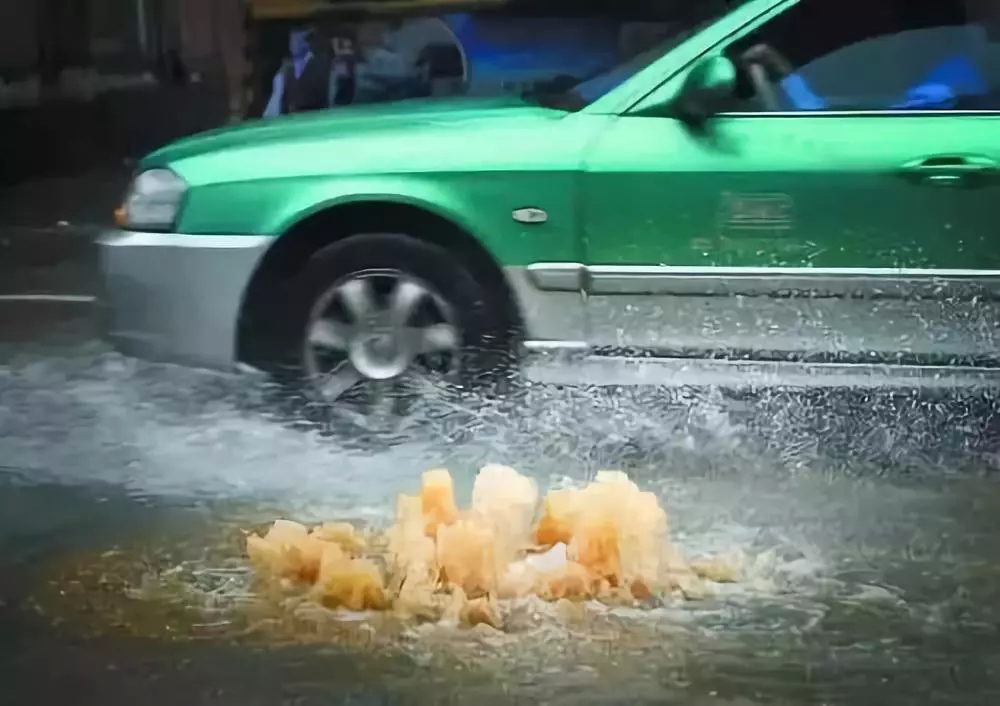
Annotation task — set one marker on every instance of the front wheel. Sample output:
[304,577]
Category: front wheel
[377,324]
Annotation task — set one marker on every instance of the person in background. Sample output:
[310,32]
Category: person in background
[303,83]
[955,76]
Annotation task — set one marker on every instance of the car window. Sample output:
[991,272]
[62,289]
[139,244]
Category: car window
[584,91]
[860,55]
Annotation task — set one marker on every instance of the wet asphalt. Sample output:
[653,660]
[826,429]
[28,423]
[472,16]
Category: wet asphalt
[872,521]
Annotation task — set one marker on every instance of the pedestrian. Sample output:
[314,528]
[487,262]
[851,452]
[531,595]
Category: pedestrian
[303,82]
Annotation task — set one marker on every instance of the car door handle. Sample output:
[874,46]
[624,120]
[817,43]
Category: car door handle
[950,170]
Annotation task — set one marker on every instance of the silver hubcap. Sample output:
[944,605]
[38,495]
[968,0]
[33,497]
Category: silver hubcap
[379,327]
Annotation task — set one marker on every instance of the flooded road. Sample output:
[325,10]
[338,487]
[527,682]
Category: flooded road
[868,527]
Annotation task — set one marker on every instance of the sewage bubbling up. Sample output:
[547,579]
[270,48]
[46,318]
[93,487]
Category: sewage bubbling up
[608,541]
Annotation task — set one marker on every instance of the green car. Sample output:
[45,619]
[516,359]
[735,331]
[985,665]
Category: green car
[682,219]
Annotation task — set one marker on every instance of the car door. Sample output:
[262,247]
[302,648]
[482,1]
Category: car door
[839,233]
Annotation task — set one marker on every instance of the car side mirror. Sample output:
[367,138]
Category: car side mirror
[706,90]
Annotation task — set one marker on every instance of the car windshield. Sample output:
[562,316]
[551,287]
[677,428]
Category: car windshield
[589,89]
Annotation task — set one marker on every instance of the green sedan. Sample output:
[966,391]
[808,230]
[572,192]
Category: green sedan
[687,217]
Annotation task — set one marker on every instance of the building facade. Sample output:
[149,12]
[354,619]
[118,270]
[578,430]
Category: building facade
[97,81]
[58,48]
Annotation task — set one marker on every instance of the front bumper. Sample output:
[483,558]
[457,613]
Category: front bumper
[176,298]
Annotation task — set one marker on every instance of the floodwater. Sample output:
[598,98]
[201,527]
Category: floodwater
[867,525]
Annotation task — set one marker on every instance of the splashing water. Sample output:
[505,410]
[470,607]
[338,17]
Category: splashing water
[607,541]
[871,549]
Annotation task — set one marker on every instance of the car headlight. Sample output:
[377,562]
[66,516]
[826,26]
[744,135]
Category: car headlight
[152,201]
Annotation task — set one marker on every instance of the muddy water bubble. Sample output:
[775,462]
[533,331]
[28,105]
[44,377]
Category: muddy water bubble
[607,541]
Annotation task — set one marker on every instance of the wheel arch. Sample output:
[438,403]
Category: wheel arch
[333,220]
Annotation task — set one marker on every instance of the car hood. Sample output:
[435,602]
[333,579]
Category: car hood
[353,120]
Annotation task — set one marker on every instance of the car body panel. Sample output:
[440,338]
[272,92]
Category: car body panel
[473,162]
[483,206]
[177,297]
[850,255]
[320,126]
[808,191]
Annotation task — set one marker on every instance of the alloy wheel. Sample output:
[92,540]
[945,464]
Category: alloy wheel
[376,340]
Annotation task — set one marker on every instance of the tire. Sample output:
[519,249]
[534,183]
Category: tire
[479,315]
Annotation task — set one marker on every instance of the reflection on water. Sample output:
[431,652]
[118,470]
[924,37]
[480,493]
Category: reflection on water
[869,527]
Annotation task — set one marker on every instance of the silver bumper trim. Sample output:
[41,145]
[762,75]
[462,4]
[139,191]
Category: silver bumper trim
[719,281]
[570,367]
[174,297]
[133,239]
